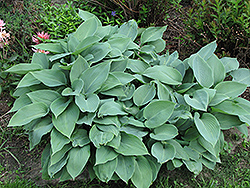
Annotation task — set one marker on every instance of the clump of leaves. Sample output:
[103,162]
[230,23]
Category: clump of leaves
[106,100]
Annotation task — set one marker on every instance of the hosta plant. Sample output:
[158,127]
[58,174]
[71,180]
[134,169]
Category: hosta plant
[107,101]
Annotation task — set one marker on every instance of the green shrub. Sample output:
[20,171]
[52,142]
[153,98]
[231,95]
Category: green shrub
[106,100]
[226,21]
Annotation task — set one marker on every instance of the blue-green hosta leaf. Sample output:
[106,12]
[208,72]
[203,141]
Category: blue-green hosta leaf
[231,89]
[142,177]
[111,108]
[51,47]
[87,119]
[94,77]
[217,67]
[79,138]
[137,131]
[129,29]
[28,113]
[119,65]
[218,98]
[144,94]
[243,128]
[158,112]
[202,72]
[59,105]
[86,43]
[238,106]
[85,15]
[199,100]
[119,43]
[208,126]
[213,149]
[51,78]
[109,128]
[245,118]
[129,90]
[40,129]
[79,66]
[108,120]
[20,102]
[193,166]
[164,132]
[78,157]
[28,80]
[167,75]
[191,134]
[159,45]
[207,51]
[87,104]
[24,68]
[163,152]
[227,121]
[125,167]
[54,169]
[105,171]
[162,91]
[103,31]
[45,96]
[40,59]
[56,157]
[57,141]
[152,34]
[185,87]
[104,154]
[155,166]
[208,163]
[230,64]
[65,122]
[137,66]
[131,145]
[180,152]
[98,137]
[86,29]
[115,142]
[241,75]
[131,121]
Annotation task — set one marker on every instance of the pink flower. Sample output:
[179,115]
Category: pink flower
[2,23]
[40,51]
[4,38]
[42,35]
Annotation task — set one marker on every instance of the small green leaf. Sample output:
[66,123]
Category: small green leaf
[230,64]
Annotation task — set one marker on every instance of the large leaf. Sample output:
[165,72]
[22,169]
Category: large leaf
[80,138]
[163,152]
[40,129]
[28,113]
[180,152]
[159,45]
[40,59]
[98,137]
[105,171]
[202,71]
[87,104]
[144,94]
[78,157]
[57,141]
[142,177]
[111,108]
[51,78]
[119,43]
[104,154]
[241,75]
[193,166]
[207,51]
[55,168]
[227,121]
[162,91]
[129,29]
[158,112]
[217,67]
[137,66]
[230,64]
[238,106]
[208,126]
[167,75]
[231,89]
[199,100]
[56,157]
[24,68]
[164,132]
[52,47]
[65,122]
[85,15]
[28,80]
[125,167]
[59,105]
[79,66]
[95,76]
[87,28]
[20,102]
[45,96]
[152,34]
[131,145]
[85,43]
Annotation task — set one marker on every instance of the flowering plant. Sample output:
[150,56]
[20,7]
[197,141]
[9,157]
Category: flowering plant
[37,39]
[4,36]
